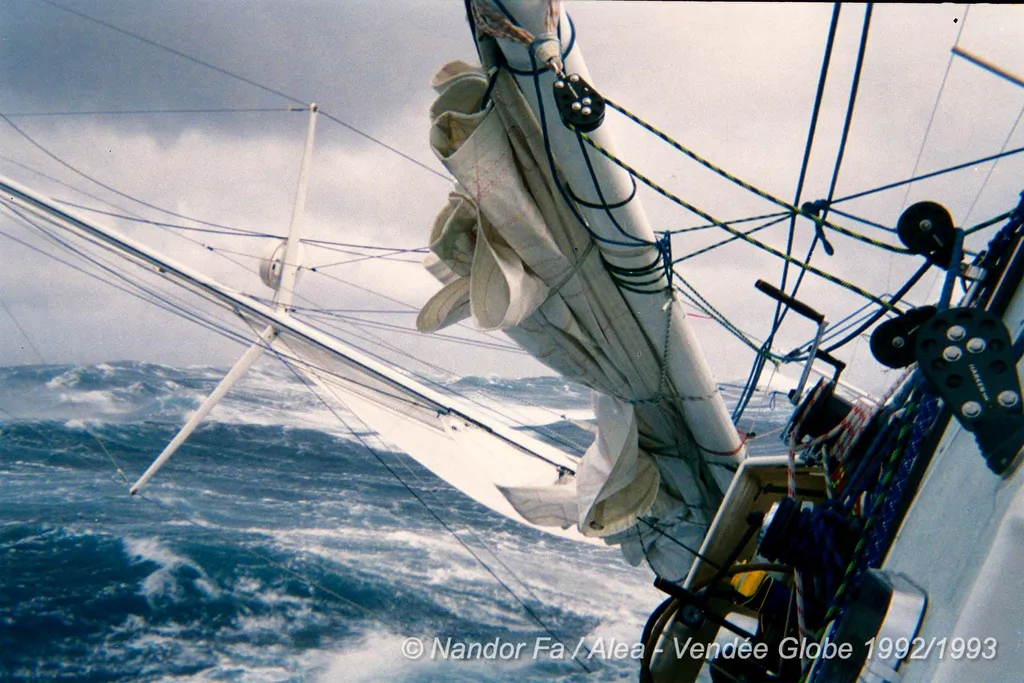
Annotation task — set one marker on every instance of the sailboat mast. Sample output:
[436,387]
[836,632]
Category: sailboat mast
[607,201]
[286,289]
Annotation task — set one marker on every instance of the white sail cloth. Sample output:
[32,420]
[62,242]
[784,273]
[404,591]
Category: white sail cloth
[615,480]
[511,255]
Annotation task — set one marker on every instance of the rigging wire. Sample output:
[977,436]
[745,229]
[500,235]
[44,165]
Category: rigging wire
[178,53]
[134,112]
[166,302]
[735,221]
[727,240]
[764,353]
[385,145]
[160,299]
[95,181]
[365,257]
[243,79]
[933,174]
[21,330]
[182,310]
[780,308]
[995,163]
[433,513]
[771,250]
[233,232]
[819,234]
[935,109]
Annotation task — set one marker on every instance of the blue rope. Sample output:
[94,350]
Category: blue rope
[928,410]
[950,169]
[811,547]
[758,365]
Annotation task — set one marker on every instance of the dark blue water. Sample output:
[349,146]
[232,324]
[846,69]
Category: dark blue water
[273,547]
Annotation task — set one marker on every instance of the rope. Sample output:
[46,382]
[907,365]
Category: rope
[748,219]
[727,240]
[743,236]
[852,574]
[926,176]
[822,206]
[703,305]
[728,176]
[433,513]
[757,367]
[734,451]
[780,311]
[928,411]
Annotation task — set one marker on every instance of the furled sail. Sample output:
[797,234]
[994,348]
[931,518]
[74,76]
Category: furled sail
[511,255]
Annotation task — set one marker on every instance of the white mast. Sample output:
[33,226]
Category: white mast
[283,293]
[702,405]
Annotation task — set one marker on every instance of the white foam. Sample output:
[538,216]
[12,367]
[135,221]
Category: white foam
[161,583]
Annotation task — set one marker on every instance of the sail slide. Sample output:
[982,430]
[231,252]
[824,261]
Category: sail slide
[470,452]
[513,254]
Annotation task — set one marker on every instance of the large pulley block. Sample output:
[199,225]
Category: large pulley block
[926,228]
[579,105]
[967,354]
[893,342]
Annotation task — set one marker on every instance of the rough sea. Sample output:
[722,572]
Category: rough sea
[274,548]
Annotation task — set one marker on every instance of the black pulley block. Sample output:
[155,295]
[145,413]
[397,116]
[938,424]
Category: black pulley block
[578,104]
[926,228]
[967,354]
[893,342]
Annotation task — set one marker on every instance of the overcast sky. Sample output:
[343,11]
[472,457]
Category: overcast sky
[734,82]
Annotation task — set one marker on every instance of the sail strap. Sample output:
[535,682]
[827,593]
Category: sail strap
[493,19]
[554,289]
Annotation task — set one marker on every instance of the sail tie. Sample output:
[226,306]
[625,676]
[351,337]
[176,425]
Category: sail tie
[493,19]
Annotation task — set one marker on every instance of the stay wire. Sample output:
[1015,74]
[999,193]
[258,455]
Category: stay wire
[748,219]
[140,112]
[727,240]
[926,176]
[819,235]
[183,55]
[992,168]
[160,299]
[877,315]
[780,308]
[430,510]
[21,330]
[935,109]
[233,232]
[243,79]
[385,145]
[100,183]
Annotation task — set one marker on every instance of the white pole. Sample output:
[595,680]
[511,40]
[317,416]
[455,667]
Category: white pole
[702,405]
[282,297]
[286,288]
[235,374]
